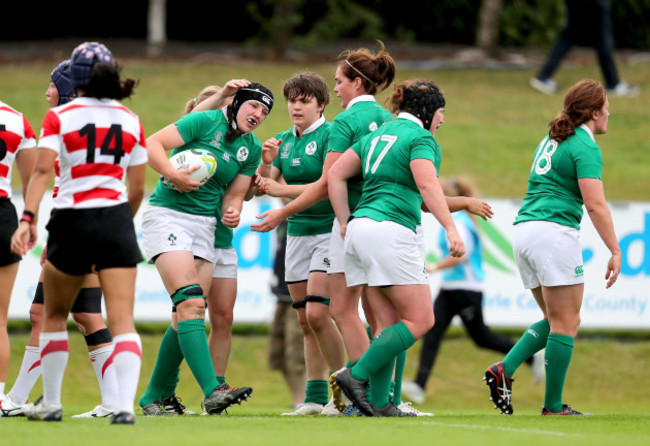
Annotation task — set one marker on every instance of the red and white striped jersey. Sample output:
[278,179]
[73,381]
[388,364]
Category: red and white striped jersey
[96,140]
[16,134]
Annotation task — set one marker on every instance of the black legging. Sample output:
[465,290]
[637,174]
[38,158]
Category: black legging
[468,305]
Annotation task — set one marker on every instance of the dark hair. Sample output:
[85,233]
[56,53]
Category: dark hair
[580,103]
[376,71]
[308,85]
[419,97]
[105,83]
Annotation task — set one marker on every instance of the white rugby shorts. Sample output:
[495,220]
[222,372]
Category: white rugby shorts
[335,249]
[382,254]
[166,230]
[225,264]
[305,254]
[547,254]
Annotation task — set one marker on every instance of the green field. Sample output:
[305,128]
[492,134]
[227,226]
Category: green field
[493,119]
[607,377]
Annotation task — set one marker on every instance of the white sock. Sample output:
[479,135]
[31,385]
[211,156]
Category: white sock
[127,358]
[30,370]
[54,358]
[2,388]
[105,372]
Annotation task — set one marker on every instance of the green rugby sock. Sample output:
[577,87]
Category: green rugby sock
[380,383]
[383,349]
[194,344]
[532,341]
[559,350]
[221,379]
[317,392]
[396,387]
[164,377]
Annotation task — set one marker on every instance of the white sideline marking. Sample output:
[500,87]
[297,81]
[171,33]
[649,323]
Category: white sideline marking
[508,429]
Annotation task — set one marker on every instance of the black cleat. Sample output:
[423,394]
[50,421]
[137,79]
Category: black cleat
[123,418]
[500,387]
[174,406]
[223,397]
[155,409]
[355,390]
[390,410]
[566,410]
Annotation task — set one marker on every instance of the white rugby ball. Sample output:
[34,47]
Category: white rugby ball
[187,159]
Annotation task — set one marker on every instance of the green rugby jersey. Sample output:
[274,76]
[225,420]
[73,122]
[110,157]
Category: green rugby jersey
[222,235]
[301,162]
[363,115]
[389,189]
[207,130]
[553,193]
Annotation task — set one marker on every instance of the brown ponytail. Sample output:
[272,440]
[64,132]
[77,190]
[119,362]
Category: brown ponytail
[580,103]
[376,71]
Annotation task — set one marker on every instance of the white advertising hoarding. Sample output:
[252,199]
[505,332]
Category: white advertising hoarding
[625,305]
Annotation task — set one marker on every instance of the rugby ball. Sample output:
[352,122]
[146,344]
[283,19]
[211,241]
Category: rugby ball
[187,159]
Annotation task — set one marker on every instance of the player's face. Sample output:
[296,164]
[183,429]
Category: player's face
[344,88]
[438,119]
[52,95]
[251,115]
[304,111]
[600,119]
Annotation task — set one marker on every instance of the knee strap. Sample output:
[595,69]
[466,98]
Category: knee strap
[99,337]
[89,300]
[186,293]
[299,304]
[318,299]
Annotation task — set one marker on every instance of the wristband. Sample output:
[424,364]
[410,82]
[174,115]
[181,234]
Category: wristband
[266,165]
[27,216]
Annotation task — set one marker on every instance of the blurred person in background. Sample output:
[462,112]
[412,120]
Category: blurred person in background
[461,294]
[566,174]
[589,24]
[17,143]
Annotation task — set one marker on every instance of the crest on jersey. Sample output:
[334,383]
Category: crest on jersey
[285,150]
[311,148]
[218,136]
[242,154]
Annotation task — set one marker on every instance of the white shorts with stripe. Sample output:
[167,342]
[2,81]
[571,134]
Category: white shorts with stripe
[547,254]
[166,230]
[305,254]
[382,254]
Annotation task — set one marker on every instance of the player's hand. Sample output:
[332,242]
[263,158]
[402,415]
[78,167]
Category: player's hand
[231,217]
[182,180]
[271,220]
[23,239]
[480,208]
[269,187]
[270,150]
[456,245]
[344,230]
[613,269]
[232,86]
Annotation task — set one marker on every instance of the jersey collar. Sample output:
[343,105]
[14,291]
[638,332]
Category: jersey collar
[410,117]
[362,98]
[311,128]
[588,130]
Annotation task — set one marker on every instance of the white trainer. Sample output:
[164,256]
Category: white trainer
[306,409]
[412,391]
[538,367]
[547,86]
[408,408]
[38,412]
[98,412]
[330,409]
[623,90]
[10,409]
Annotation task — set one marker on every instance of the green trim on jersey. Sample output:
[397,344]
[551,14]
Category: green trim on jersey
[223,236]
[207,130]
[301,162]
[553,192]
[389,189]
[348,127]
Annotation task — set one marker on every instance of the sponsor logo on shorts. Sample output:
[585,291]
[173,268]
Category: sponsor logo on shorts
[579,270]
[242,154]
[172,240]
[311,148]
[326,261]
